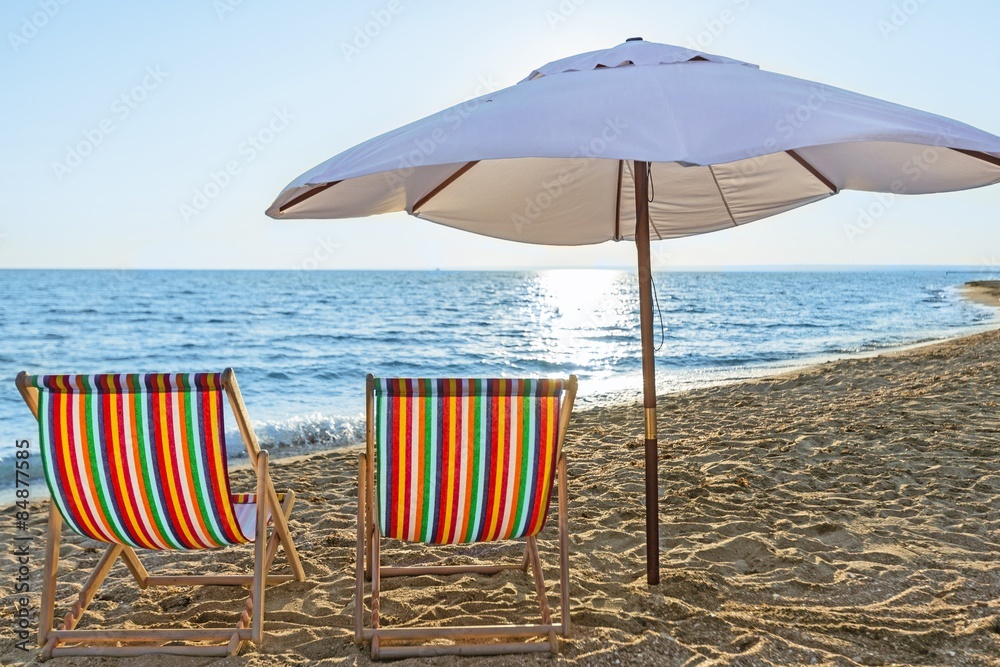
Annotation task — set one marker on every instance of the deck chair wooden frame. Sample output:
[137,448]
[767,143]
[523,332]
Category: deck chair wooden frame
[512,638]
[271,509]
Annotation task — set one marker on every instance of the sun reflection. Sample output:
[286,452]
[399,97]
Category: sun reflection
[580,298]
[581,315]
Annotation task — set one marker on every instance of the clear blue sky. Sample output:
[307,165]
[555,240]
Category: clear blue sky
[159,96]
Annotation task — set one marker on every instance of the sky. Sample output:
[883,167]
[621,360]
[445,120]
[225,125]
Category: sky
[154,135]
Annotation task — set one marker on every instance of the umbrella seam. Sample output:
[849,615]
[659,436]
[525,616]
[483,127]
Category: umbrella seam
[813,170]
[618,203]
[442,185]
[985,157]
[306,195]
[722,195]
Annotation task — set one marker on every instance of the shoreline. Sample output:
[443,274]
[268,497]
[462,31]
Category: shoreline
[983,292]
[845,513]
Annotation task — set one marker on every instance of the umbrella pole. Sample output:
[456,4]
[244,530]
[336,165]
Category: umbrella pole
[648,373]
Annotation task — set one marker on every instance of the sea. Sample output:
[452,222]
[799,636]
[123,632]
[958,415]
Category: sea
[302,342]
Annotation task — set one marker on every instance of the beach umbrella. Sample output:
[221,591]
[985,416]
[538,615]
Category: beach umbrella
[642,141]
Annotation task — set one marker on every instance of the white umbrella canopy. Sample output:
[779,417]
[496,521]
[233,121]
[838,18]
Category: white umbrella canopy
[688,142]
[548,160]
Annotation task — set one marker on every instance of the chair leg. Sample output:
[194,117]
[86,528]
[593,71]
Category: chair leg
[257,589]
[275,540]
[89,589]
[359,590]
[369,517]
[49,575]
[376,582]
[563,545]
[134,566]
[281,528]
[531,552]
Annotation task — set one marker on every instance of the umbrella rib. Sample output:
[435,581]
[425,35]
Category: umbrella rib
[814,171]
[618,203]
[985,157]
[306,195]
[442,185]
[722,195]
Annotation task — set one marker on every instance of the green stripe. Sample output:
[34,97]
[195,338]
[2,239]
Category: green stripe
[96,467]
[477,454]
[47,461]
[429,405]
[197,466]
[525,451]
[142,421]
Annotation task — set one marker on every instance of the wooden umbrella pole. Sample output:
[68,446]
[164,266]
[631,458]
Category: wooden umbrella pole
[648,372]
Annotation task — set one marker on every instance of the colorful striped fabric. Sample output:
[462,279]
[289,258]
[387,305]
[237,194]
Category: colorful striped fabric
[464,460]
[139,459]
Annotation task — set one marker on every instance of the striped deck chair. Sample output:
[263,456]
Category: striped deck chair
[139,462]
[461,461]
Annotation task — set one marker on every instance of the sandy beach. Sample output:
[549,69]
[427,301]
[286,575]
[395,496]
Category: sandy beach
[845,514]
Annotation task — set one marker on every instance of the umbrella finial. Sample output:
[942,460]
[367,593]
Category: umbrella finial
[634,39]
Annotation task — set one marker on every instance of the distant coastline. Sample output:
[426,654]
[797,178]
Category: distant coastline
[986,292]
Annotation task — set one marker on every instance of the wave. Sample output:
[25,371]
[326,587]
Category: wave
[303,433]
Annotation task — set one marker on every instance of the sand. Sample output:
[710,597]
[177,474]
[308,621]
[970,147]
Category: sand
[844,514]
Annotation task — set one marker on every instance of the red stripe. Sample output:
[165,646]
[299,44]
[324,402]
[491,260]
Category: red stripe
[214,457]
[454,449]
[397,448]
[133,484]
[548,435]
[489,486]
[406,420]
[63,414]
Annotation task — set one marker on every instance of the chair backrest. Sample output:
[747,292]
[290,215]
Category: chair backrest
[138,459]
[464,460]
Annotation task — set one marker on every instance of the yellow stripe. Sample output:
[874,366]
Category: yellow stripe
[212,429]
[401,465]
[164,443]
[501,442]
[72,477]
[116,452]
[449,506]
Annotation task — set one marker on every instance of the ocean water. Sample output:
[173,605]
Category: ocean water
[302,342]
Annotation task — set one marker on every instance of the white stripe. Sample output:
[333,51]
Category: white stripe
[432,452]
[99,456]
[381,444]
[529,453]
[481,444]
[178,428]
[201,453]
[135,469]
[45,433]
[513,426]
[463,463]
[83,462]
[411,444]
